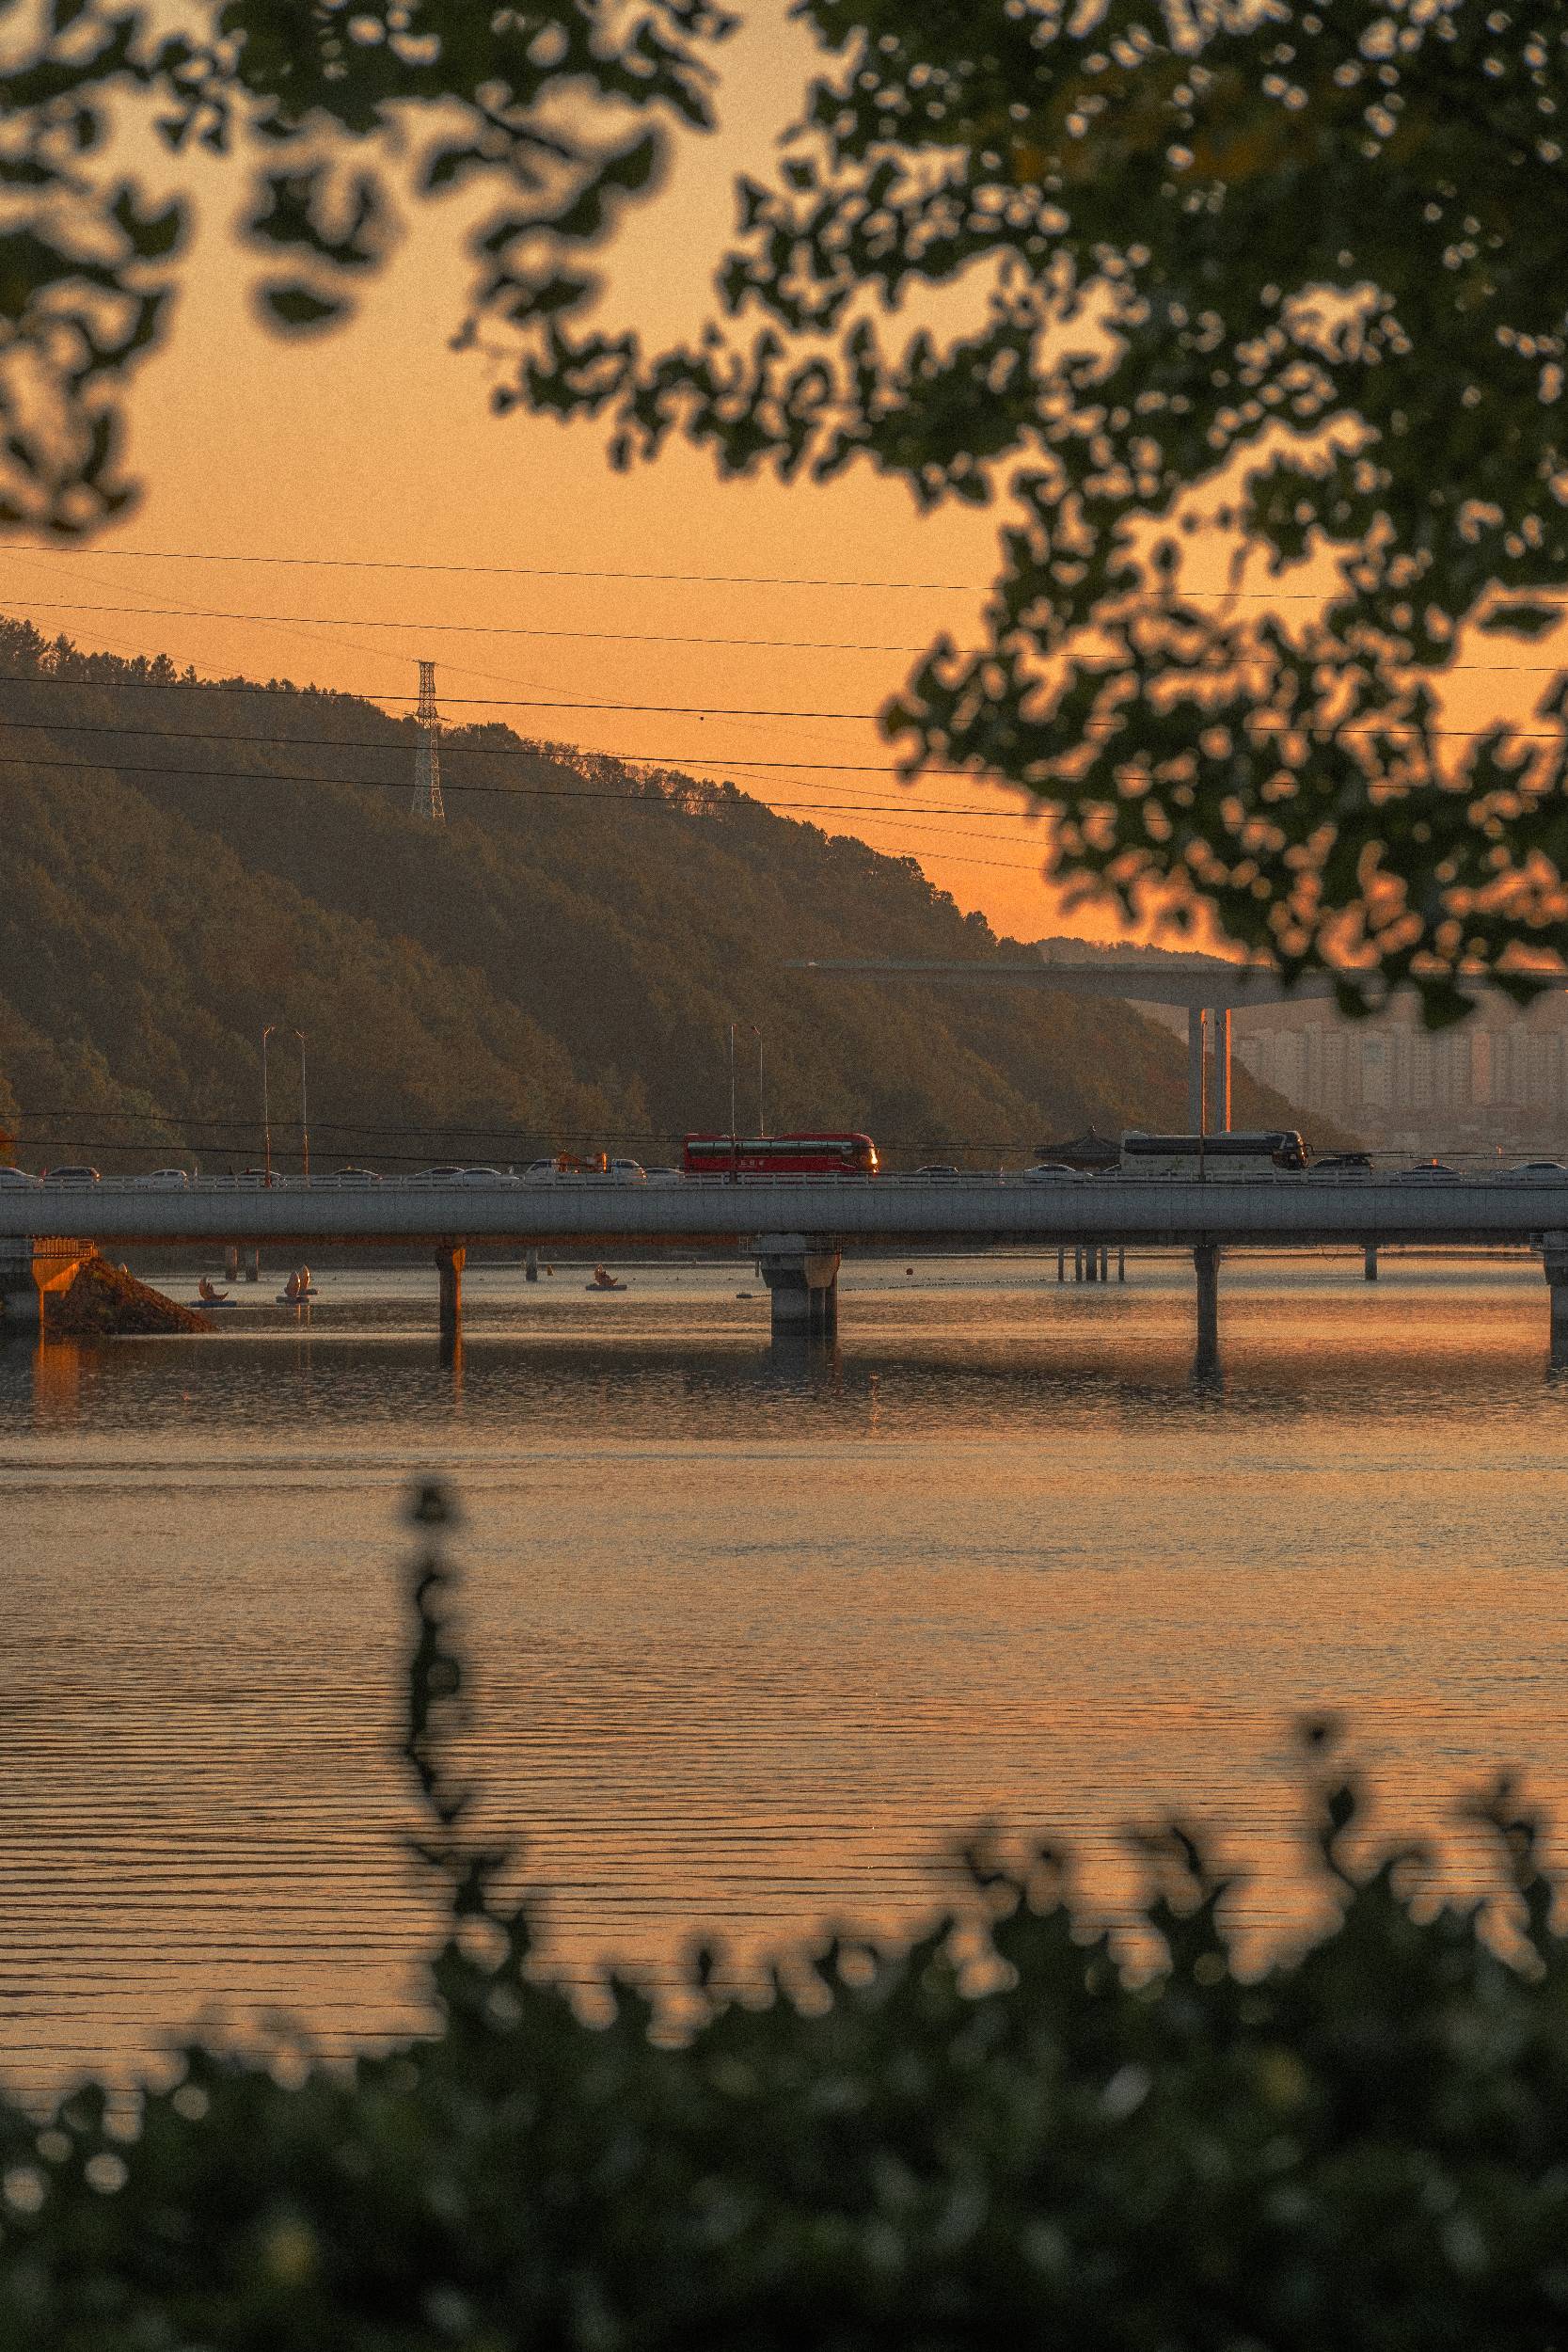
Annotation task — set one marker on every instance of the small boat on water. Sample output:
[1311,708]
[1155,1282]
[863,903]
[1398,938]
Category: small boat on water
[604,1281]
[298,1289]
[208,1296]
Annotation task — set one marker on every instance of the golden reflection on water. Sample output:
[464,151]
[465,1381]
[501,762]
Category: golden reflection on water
[755,1631]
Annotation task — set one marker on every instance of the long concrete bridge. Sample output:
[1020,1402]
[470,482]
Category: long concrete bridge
[798,1229]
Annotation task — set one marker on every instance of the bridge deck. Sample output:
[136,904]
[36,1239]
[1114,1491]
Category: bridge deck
[886,1213]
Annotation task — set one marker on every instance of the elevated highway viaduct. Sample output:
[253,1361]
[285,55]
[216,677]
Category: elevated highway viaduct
[798,1230]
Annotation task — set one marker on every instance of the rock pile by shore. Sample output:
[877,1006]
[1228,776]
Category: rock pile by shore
[104,1302]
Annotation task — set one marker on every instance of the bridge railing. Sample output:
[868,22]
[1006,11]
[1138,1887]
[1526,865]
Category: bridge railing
[1461,1168]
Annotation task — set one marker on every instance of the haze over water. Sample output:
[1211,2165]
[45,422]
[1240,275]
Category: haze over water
[754,1634]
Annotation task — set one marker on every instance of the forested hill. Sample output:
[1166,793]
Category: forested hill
[184,863]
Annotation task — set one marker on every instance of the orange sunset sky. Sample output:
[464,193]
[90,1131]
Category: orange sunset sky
[378,444]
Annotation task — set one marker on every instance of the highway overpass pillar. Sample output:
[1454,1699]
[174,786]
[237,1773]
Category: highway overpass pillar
[1554,1257]
[801,1275]
[1206,1264]
[29,1270]
[450,1261]
[231,1263]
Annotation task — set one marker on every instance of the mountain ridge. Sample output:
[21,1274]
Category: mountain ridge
[187,860]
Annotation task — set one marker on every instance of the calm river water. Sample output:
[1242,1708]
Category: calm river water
[755,1636]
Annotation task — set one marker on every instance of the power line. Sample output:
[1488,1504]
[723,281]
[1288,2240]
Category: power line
[542,701]
[674,759]
[398,750]
[501,571]
[872,811]
[460,628]
[658,801]
[301,694]
[719,579]
[427,1132]
[537,1142]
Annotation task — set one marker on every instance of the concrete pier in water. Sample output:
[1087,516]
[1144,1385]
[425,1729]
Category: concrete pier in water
[801,1275]
[450,1261]
[30,1271]
[1205,1265]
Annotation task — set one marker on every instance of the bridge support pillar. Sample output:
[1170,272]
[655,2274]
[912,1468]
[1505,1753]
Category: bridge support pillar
[1061,1264]
[253,1266]
[530,1267]
[801,1275]
[450,1261]
[1121,1265]
[1554,1257]
[29,1270]
[1206,1264]
[1369,1263]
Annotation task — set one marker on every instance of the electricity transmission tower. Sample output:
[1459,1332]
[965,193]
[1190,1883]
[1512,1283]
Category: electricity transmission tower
[427,759]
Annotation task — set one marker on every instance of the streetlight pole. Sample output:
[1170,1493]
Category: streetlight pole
[304,1109]
[732,1083]
[762,1120]
[266,1102]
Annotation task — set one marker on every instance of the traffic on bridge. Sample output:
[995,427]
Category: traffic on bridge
[1206,1193]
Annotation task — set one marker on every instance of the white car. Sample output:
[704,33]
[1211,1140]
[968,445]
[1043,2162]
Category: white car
[1048,1172]
[161,1180]
[618,1173]
[17,1176]
[1537,1172]
[344,1179]
[471,1177]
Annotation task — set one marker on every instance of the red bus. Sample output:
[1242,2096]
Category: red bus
[778,1155]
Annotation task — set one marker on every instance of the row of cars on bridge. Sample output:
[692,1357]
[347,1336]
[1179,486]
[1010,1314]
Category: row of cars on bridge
[1246,1155]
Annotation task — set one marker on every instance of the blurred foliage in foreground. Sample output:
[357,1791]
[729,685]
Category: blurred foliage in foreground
[1367,2146]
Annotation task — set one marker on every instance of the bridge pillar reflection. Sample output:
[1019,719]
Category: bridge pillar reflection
[1205,1265]
[801,1275]
[1554,1257]
[450,1261]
